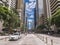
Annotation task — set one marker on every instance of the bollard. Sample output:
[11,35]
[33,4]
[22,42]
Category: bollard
[40,37]
[46,39]
[43,38]
[5,38]
[51,42]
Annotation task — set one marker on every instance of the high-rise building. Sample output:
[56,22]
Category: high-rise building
[47,10]
[20,9]
[11,3]
[41,12]
[55,6]
[37,13]
[51,7]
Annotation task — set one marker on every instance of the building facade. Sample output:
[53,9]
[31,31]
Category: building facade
[51,7]
[41,12]
[20,9]
[11,3]
[47,10]
[55,6]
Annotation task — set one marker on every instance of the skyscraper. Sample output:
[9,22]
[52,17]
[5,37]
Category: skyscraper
[20,9]
[47,10]
[37,13]
[55,6]
[11,3]
[41,12]
[51,7]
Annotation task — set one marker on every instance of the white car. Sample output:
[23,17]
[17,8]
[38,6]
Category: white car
[14,36]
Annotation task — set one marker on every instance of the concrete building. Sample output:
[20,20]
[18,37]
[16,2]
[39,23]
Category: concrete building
[11,3]
[20,9]
[37,14]
[41,11]
[47,10]
[41,19]
[51,7]
[55,6]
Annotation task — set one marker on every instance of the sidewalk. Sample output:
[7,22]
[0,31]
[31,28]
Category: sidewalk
[3,37]
[49,40]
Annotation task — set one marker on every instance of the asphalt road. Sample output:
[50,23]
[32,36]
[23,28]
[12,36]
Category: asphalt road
[29,39]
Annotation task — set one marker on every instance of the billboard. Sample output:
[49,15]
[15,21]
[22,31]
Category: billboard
[30,6]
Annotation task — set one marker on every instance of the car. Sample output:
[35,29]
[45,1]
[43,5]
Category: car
[14,36]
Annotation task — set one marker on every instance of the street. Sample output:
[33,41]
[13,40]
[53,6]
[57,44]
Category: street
[29,39]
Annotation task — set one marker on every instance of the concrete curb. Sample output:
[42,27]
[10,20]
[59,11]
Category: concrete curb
[3,38]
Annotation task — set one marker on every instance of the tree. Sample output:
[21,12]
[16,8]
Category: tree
[56,18]
[10,18]
[12,22]
[48,23]
[4,12]
[41,27]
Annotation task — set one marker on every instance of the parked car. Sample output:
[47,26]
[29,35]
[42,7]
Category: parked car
[14,36]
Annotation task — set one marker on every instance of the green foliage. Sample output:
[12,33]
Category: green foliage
[10,18]
[41,27]
[3,12]
[56,18]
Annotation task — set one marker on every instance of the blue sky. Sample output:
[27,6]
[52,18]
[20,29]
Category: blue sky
[28,0]
[29,10]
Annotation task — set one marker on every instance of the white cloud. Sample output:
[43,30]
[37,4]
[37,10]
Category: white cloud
[29,20]
[33,5]
[32,16]
[30,6]
[32,0]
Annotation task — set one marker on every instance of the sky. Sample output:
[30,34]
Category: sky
[29,11]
